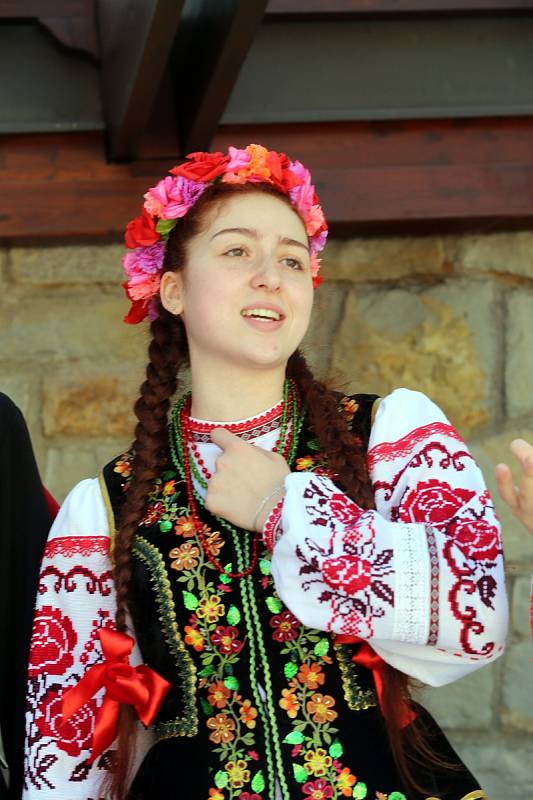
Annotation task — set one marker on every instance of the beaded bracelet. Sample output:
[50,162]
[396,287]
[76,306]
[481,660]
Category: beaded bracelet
[271,532]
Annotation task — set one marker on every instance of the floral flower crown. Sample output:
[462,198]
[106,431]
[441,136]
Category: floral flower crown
[174,195]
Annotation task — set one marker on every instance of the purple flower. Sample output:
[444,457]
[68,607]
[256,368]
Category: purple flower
[153,312]
[144,260]
[318,241]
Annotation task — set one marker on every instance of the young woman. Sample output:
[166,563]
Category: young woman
[257,579]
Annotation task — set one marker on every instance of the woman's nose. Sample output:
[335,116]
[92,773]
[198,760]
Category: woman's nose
[267,275]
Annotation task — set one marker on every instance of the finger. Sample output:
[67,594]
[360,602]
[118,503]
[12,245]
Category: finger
[524,453]
[506,487]
[223,438]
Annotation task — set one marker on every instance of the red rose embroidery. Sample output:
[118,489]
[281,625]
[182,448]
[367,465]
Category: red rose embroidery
[73,736]
[202,166]
[347,573]
[476,538]
[433,501]
[344,509]
[141,231]
[52,643]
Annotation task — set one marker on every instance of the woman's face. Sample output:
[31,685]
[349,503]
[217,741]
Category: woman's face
[246,293]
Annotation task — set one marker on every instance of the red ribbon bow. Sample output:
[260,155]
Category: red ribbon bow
[367,657]
[139,686]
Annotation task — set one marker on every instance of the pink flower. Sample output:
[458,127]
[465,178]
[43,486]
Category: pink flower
[314,220]
[239,159]
[173,197]
[302,196]
[152,205]
[143,288]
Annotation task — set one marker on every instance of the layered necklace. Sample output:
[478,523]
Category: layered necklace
[181,441]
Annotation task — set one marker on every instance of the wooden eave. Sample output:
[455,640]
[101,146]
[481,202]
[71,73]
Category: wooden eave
[379,177]
[384,176]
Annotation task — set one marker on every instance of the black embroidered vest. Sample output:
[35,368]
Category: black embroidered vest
[258,700]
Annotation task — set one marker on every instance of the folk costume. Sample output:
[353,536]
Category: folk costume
[256,661]
[26,520]
[261,703]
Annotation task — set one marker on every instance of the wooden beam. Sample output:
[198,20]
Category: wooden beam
[208,56]
[136,39]
[382,177]
[331,7]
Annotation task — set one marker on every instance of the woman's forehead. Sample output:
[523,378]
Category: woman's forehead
[258,211]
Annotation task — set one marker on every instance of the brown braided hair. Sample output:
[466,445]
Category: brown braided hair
[168,354]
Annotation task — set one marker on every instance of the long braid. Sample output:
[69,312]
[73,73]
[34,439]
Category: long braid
[348,461]
[167,352]
[345,455]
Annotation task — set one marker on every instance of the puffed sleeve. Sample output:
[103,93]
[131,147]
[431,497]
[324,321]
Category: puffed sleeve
[75,599]
[421,577]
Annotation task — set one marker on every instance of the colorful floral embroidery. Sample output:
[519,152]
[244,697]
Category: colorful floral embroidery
[315,750]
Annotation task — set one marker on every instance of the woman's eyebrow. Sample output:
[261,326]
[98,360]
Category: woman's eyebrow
[252,233]
[246,231]
[294,242]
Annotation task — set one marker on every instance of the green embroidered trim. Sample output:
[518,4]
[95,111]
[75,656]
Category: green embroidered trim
[357,699]
[276,738]
[187,725]
[267,718]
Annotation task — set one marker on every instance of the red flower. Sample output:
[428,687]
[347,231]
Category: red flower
[153,513]
[137,312]
[141,231]
[72,736]
[225,639]
[53,640]
[203,167]
[318,790]
[350,574]
[344,509]
[280,174]
[433,501]
[248,796]
[477,538]
[285,627]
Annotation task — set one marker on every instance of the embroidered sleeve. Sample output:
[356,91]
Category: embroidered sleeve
[421,577]
[75,599]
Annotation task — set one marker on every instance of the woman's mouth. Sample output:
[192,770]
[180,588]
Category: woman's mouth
[262,314]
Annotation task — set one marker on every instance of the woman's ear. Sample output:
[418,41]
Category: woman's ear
[171,292]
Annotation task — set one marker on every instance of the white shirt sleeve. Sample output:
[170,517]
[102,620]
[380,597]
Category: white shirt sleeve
[75,599]
[421,577]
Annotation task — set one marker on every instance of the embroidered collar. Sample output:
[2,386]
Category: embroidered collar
[247,429]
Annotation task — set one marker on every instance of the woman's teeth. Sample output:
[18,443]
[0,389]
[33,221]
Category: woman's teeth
[261,313]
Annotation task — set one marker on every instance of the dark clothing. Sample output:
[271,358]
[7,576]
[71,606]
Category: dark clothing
[25,522]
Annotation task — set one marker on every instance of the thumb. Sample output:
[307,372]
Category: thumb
[223,438]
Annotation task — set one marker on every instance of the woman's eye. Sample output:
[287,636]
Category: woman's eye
[293,263]
[235,251]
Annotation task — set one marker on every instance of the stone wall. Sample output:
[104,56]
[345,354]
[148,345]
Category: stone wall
[450,316]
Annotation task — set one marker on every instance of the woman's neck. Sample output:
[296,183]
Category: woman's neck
[235,396]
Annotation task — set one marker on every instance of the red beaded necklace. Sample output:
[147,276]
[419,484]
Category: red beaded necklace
[194,509]
[288,433]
